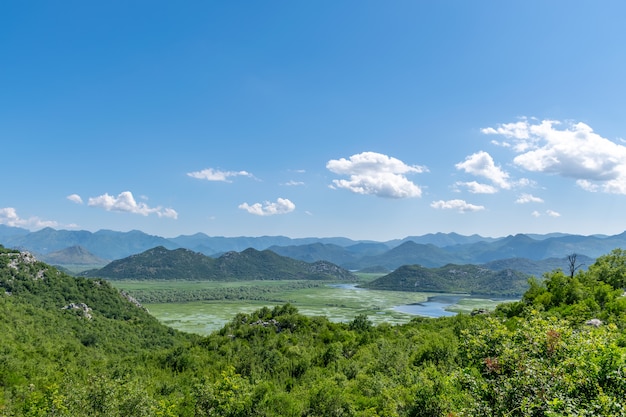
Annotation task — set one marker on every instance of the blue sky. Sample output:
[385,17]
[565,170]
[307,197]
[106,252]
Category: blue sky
[364,119]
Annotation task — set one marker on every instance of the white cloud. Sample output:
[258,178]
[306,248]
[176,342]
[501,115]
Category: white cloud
[9,217]
[588,185]
[525,182]
[376,174]
[75,198]
[211,174]
[528,198]
[281,206]
[167,212]
[125,202]
[477,188]
[482,164]
[460,205]
[503,144]
[518,130]
[294,183]
[553,213]
[550,213]
[575,151]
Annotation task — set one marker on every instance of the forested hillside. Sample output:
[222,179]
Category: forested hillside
[451,278]
[251,264]
[77,347]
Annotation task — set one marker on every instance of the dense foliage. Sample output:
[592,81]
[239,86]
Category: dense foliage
[250,264]
[536,357]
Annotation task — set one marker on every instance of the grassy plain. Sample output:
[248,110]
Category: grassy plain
[338,303]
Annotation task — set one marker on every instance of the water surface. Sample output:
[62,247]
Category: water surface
[434,307]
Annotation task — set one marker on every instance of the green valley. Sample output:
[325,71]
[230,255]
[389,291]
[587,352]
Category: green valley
[204,306]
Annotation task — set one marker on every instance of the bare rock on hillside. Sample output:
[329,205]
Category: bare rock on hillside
[594,322]
[83,308]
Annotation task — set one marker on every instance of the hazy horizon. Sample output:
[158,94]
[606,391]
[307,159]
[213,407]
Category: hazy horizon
[317,237]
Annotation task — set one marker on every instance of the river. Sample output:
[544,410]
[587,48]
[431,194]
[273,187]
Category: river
[434,306]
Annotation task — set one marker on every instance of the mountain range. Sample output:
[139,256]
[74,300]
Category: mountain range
[182,264]
[430,250]
[250,264]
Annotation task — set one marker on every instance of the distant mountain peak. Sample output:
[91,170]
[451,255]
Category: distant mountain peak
[74,255]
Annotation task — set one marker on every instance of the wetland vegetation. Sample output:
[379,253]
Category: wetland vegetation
[205,306]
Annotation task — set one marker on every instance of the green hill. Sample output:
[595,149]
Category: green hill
[452,278]
[90,310]
[63,338]
[251,264]
[158,263]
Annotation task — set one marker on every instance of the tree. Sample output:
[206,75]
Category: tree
[571,259]
[229,396]
[361,323]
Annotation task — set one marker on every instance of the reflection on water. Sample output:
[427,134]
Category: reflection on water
[345,286]
[434,307]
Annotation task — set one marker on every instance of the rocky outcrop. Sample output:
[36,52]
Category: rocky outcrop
[20,257]
[132,299]
[594,322]
[83,308]
[480,312]
[20,260]
[331,270]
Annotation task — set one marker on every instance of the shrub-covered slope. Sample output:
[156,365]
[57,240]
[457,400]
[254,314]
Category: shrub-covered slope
[89,311]
[58,334]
